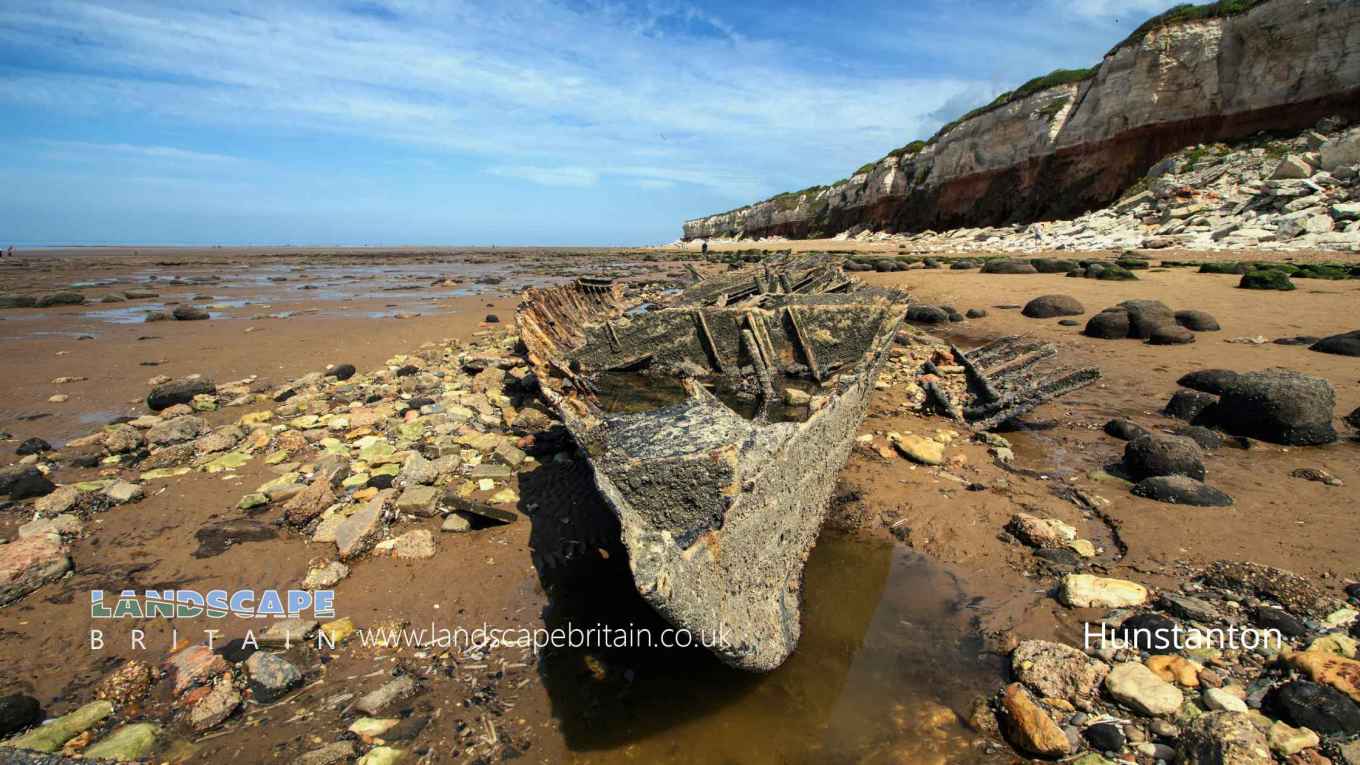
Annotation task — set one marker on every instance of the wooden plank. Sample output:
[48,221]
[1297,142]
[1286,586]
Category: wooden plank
[803,344]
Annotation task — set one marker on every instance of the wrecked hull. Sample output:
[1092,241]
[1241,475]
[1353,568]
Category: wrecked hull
[718,512]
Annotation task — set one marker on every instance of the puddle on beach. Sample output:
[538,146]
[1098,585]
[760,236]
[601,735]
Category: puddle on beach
[885,667]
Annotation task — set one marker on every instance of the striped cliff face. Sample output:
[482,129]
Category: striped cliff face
[1074,147]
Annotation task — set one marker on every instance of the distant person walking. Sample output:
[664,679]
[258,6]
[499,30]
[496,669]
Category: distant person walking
[10,252]
[703,248]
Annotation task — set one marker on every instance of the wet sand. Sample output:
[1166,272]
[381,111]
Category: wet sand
[896,625]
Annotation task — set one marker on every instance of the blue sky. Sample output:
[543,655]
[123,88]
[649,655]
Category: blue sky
[423,122]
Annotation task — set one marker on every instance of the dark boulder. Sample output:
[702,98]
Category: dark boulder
[189,313]
[178,392]
[1278,619]
[1008,267]
[1109,324]
[492,318]
[1146,316]
[1050,306]
[1188,404]
[1181,490]
[1280,406]
[962,265]
[1149,632]
[1266,279]
[24,482]
[1354,418]
[407,370]
[927,314]
[1208,440]
[1296,340]
[1105,737]
[1069,323]
[1213,381]
[33,446]
[1054,265]
[1344,344]
[1125,430]
[1197,321]
[1171,334]
[1158,454]
[18,711]
[1320,707]
[340,371]
[975,313]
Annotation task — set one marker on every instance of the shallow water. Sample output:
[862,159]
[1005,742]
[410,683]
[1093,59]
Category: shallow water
[884,663]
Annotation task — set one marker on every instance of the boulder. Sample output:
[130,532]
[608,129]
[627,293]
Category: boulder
[1280,406]
[1052,306]
[1291,168]
[1110,324]
[1213,381]
[339,371]
[356,533]
[1197,321]
[177,430]
[1171,334]
[1124,430]
[1158,454]
[24,482]
[1208,440]
[1148,631]
[393,691]
[1188,404]
[1146,316]
[178,392]
[1041,532]
[1181,490]
[33,446]
[1008,267]
[1138,688]
[312,501]
[927,314]
[1344,344]
[1341,151]
[17,712]
[29,563]
[919,449]
[60,298]
[1055,670]
[1330,669]
[1223,738]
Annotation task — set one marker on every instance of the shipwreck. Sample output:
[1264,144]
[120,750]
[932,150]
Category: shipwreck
[716,418]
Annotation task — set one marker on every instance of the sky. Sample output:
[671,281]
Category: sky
[540,122]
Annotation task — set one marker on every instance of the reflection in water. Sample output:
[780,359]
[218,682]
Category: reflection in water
[884,659]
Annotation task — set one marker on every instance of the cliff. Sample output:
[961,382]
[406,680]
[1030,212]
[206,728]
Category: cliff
[1062,150]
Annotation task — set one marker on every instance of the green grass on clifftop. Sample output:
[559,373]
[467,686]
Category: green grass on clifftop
[1188,12]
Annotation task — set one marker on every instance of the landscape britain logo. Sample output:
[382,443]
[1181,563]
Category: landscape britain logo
[214,604]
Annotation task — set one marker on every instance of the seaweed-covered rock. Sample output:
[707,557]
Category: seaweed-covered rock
[1280,406]
[1266,279]
[1344,344]
[1158,454]
[1050,306]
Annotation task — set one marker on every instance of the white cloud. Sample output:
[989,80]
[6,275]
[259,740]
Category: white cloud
[541,91]
[578,177]
[85,149]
